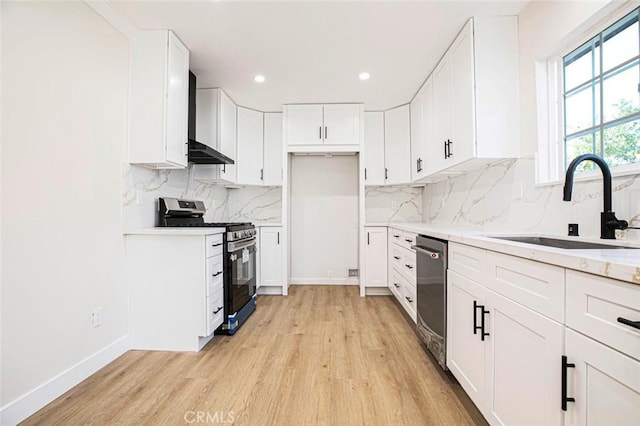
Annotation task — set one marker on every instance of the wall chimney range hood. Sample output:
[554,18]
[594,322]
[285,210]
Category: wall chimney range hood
[200,153]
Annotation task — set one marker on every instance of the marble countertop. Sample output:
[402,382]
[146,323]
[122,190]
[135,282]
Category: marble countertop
[618,264]
[174,231]
[266,224]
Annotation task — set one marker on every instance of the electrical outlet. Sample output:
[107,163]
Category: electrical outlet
[96,317]
[352,272]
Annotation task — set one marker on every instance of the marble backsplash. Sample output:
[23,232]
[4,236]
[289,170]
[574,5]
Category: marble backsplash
[255,204]
[393,204]
[504,198]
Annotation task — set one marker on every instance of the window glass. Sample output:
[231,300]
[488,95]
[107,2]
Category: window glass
[601,96]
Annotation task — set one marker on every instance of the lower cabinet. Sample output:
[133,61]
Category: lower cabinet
[270,277]
[401,269]
[506,356]
[375,255]
[603,383]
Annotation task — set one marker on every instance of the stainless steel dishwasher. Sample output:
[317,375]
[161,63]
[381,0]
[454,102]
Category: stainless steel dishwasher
[431,259]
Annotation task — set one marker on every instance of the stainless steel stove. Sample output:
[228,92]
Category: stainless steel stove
[239,256]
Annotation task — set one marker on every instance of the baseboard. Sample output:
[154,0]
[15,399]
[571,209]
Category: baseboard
[270,290]
[323,281]
[377,291]
[32,401]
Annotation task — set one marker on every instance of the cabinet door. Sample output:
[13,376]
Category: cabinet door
[441,116]
[417,135]
[465,349]
[523,365]
[227,136]
[177,102]
[304,125]
[397,145]
[272,175]
[375,272]
[374,148]
[342,124]
[250,147]
[604,383]
[207,116]
[463,140]
[270,256]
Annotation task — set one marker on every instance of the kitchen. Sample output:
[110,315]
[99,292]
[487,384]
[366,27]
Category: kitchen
[77,90]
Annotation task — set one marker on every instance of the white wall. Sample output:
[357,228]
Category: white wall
[324,219]
[64,111]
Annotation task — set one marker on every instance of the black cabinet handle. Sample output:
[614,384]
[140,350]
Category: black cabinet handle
[445,149]
[216,274]
[261,174]
[396,257]
[217,310]
[410,300]
[278,237]
[224,168]
[408,240]
[320,132]
[409,266]
[326,135]
[368,242]
[565,398]
[386,173]
[216,245]
[634,324]
[396,285]
[365,173]
[480,327]
[396,236]
[449,153]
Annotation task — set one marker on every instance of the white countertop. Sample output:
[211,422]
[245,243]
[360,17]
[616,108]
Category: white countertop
[266,224]
[174,231]
[619,264]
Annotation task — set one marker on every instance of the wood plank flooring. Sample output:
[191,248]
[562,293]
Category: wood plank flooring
[321,356]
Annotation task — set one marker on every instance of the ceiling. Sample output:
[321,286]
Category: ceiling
[313,51]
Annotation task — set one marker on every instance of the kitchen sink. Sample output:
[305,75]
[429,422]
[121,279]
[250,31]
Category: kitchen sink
[563,244]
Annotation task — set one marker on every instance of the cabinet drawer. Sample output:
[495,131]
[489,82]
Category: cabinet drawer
[594,305]
[395,235]
[214,274]
[470,262]
[409,299]
[395,284]
[538,286]
[213,244]
[215,311]
[397,255]
[408,239]
[409,266]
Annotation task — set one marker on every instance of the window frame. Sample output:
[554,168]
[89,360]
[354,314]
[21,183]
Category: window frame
[550,156]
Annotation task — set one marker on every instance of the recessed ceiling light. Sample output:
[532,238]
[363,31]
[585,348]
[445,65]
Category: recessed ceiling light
[364,76]
[259,78]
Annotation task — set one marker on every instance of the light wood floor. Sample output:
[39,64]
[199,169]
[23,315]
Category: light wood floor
[323,355]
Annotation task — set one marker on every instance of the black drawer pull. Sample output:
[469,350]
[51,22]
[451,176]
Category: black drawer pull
[216,274]
[410,300]
[216,245]
[396,257]
[565,398]
[217,310]
[480,327]
[634,324]
[396,236]
[396,285]
[407,240]
[409,266]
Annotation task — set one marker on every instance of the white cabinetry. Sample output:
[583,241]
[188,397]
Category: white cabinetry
[272,175]
[421,130]
[332,126]
[176,294]
[375,255]
[401,269]
[397,145]
[158,112]
[270,255]
[505,355]
[249,165]
[475,95]
[216,119]
[374,148]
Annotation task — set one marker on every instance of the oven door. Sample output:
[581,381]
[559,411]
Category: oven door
[242,273]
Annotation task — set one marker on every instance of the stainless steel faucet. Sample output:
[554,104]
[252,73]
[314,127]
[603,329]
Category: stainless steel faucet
[608,220]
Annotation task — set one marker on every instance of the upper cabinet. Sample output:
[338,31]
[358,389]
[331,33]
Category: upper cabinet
[159,96]
[475,98]
[327,127]
[373,149]
[250,147]
[421,130]
[397,145]
[272,175]
[216,118]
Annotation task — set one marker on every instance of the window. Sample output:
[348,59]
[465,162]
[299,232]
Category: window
[601,94]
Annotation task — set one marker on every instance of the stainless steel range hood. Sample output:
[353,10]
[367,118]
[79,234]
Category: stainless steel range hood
[200,153]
